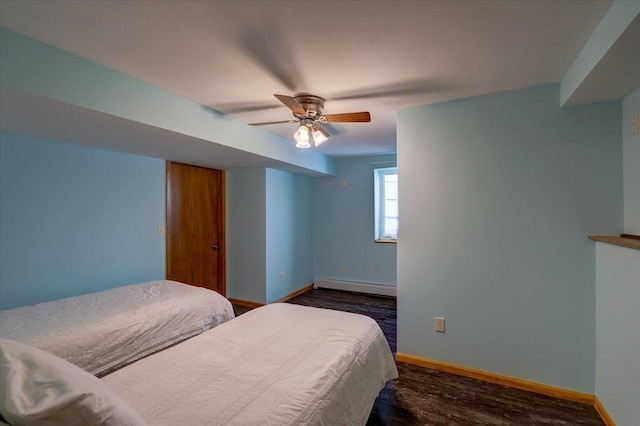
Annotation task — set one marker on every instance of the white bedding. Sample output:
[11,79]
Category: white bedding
[281,364]
[102,331]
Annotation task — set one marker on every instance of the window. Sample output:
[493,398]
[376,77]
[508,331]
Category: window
[386,204]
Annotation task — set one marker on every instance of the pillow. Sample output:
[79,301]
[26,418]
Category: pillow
[40,388]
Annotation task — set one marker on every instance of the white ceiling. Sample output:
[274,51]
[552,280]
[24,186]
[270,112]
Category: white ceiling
[377,56]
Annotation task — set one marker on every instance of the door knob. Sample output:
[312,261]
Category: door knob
[215,246]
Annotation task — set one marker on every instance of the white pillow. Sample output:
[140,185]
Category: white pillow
[40,388]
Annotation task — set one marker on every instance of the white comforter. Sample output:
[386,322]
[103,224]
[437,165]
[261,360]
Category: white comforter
[102,331]
[280,364]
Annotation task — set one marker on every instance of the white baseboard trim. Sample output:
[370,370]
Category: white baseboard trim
[379,289]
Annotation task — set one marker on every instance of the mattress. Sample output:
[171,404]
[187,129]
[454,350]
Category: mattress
[100,332]
[280,364]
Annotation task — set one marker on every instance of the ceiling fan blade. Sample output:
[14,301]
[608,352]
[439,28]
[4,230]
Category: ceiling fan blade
[242,107]
[408,88]
[318,127]
[273,54]
[292,104]
[349,117]
[266,123]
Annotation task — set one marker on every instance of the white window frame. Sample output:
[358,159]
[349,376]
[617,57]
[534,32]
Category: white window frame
[379,213]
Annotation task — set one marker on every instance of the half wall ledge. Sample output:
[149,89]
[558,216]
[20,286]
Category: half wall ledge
[624,240]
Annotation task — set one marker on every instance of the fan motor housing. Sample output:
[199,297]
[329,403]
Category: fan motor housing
[312,104]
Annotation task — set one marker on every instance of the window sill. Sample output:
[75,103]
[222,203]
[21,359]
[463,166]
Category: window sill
[387,241]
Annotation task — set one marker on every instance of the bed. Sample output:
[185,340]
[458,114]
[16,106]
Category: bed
[101,332]
[280,364]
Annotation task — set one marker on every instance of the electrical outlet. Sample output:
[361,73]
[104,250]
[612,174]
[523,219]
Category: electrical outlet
[160,230]
[344,268]
[440,324]
[281,276]
[635,124]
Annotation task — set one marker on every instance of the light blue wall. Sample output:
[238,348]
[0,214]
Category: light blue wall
[497,196]
[289,222]
[246,234]
[631,150]
[75,220]
[618,295]
[343,229]
[618,332]
[268,232]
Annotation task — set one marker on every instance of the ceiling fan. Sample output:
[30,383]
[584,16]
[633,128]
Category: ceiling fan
[307,110]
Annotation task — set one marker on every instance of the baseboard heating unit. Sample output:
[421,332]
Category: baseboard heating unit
[380,289]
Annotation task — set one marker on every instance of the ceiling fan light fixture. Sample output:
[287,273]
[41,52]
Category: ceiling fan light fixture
[302,137]
[303,145]
[318,137]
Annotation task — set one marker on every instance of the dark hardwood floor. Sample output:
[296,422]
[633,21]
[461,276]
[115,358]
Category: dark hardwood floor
[422,396]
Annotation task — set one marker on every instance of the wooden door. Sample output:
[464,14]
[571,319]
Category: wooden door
[195,226]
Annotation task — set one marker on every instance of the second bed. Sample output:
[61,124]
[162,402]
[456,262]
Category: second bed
[101,332]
